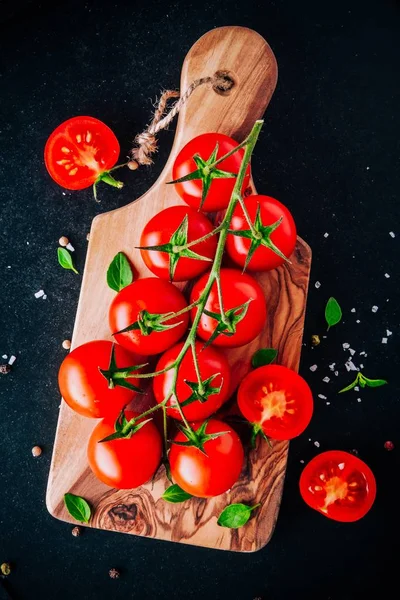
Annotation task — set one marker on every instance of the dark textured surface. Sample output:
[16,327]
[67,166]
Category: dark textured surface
[329,150]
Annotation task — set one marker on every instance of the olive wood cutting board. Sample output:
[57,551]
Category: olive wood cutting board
[250,62]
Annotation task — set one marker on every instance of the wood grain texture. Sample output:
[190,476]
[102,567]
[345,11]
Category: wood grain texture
[141,511]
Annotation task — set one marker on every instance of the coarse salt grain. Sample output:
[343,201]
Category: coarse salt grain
[352,352]
[350,366]
[4,356]
[346,346]
[302,461]
[313,368]
[384,340]
[362,353]
[39,294]
[358,399]
[317,284]
[388,332]
[332,366]
[327,403]
[358,321]
[336,373]
[12,359]
[322,397]
[361,366]
[353,310]
[70,247]
[374,309]
[326,379]
[356,389]
[317,444]
[387,275]
[44,296]
[392,234]
[326,235]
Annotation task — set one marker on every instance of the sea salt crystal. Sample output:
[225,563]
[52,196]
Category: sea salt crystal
[356,389]
[326,235]
[362,353]
[374,309]
[39,294]
[361,366]
[12,359]
[387,275]
[358,399]
[302,461]
[327,403]
[322,397]
[350,366]
[384,340]
[352,352]
[317,284]
[44,296]
[4,356]
[353,310]
[392,234]
[332,366]
[358,321]
[336,373]
[70,247]
[326,379]
[317,444]
[313,368]
[388,332]
[346,346]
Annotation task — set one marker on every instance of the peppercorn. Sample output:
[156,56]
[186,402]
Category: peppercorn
[315,341]
[388,445]
[132,165]
[76,531]
[114,574]
[36,451]
[4,369]
[5,569]
[66,344]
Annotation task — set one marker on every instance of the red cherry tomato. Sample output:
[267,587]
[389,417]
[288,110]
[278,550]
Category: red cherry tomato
[339,485]
[85,389]
[204,403]
[283,237]
[79,151]
[159,231]
[220,190]
[156,297]
[237,289]
[277,400]
[128,462]
[212,472]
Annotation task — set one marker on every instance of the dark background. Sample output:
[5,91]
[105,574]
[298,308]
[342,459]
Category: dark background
[329,150]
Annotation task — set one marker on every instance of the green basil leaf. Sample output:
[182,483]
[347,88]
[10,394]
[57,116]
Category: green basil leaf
[65,260]
[175,494]
[77,507]
[235,515]
[374,382]
[119,273]
[333,312]
[264,356]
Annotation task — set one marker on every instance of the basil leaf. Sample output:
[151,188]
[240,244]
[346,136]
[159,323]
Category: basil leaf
[235,515]
[65,260]
[175,494]
[119,273]
[333,312]
[77,507]
[374,382]
[264,356]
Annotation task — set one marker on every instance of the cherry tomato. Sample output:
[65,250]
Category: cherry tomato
[159,231]
[79,151]
[128,462]
[339,485]
[220,189]
[237,289]
[277,400]
[212,472]
[215,373]
[155,296]
[283,238]
[85,389]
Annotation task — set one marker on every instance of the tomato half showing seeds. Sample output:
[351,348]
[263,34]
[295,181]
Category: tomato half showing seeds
[339,485]
[210,180]
[276,234]
[213,471]
[79,151]
[128,462]
[197,402]
[85,389]
[277,400]
[244,308]
[171,229]
[139,307]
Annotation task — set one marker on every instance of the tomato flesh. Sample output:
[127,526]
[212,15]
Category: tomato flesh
[79,150]
[277,400]
[339,485]
[124,463]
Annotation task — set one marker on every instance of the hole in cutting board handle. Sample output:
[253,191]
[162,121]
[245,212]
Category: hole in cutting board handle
[227,84]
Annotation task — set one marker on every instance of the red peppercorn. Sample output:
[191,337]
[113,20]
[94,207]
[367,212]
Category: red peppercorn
[388,445]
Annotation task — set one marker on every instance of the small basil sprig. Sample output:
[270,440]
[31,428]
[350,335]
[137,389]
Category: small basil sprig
[264,356]
[333,312]
[175,494]
[235,515]
[77,507]
[65,260]
[363,382]
[119,272]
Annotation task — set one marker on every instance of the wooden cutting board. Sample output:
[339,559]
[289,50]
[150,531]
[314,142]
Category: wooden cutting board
[252,65]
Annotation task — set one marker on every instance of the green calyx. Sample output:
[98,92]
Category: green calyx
[124,429]
[363,382]
[227,320]
[106,177]
[117,376]
[256,429]
[260,235]
[176,248]
[206,172]
[201,390]
[198,438]
[149,322]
